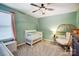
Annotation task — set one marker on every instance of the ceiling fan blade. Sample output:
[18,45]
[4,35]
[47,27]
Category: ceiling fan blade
[34,5]
[50,9]
[35,10]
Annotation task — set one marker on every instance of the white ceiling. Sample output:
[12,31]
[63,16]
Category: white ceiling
[59,8]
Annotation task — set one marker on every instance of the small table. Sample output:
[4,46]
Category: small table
[54,39]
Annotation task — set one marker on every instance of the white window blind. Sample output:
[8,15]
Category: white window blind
[6,32]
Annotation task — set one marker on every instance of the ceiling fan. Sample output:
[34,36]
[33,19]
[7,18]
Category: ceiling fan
[42,6]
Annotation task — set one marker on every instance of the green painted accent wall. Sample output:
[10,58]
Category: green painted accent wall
[77,19]
[49,24]
[23,22]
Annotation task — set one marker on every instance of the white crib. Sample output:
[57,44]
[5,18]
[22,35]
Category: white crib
[32,36]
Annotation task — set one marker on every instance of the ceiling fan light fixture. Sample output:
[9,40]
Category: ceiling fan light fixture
[42,8]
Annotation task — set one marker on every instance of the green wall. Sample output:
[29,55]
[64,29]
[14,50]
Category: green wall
[49,24]
[23,22]
[77,19]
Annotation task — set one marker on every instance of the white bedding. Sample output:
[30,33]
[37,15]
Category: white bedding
[4,51]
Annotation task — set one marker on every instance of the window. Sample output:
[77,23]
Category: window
[6,31]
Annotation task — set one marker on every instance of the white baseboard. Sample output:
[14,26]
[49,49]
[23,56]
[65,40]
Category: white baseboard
[48,40]
[21,44]
[25,43]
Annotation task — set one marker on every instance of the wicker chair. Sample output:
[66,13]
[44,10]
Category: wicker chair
[63,34]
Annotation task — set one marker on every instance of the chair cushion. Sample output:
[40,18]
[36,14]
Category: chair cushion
[62,41]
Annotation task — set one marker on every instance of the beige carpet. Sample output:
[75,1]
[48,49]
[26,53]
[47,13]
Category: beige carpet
[41,48]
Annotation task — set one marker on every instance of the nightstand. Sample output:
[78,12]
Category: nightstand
[54,38]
